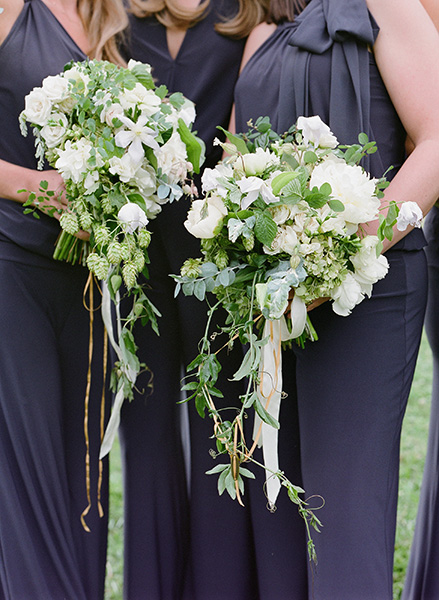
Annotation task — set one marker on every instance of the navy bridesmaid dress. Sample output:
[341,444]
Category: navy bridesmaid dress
[174,547]
[44,339]
[422,578]
[352,385]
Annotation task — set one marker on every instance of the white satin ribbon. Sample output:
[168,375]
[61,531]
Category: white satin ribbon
[270,389]
[130,372]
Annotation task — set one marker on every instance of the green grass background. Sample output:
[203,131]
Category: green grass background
[413,447]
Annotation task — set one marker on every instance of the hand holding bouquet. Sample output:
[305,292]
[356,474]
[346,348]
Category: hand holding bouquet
[281,218]
[124,148]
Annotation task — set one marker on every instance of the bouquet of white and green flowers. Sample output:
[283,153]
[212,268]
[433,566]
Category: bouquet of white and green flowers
[280,227]
[123,147]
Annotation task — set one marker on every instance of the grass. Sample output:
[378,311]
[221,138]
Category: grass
[413,446]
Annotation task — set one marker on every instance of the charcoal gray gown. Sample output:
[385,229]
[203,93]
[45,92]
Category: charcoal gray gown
[422,577]
[352,385]
[45,554]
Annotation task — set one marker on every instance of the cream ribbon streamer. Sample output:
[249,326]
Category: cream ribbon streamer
[128,370]
[270,389]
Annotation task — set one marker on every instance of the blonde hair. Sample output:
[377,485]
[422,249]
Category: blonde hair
[104,22]
[170,14]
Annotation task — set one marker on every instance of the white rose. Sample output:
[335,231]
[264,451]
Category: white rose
[369,268]
[186,113]
[352,186]
[346,296]
[132,217]
[205,227]
[172,159]
[146,100]
[91,182]
[409,214]
[315,132]
[133,63]
[255,163]
[55,87]
[76,75]
[73,160]
[113,111]
[124,167]
[54,131]
[37,107]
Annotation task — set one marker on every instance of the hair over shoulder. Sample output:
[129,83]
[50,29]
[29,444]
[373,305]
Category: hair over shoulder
[105,22]
[171,14]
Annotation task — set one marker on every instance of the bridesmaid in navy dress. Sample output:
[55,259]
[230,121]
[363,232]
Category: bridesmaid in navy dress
[196,50]
[422,578]
[360,66]
[44,335]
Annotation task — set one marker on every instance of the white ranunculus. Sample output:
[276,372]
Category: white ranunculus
[146,100]
[172,159]
[132,217]
[73,160]
[316,132]
[213,210]
[353,187]
[55,87]
[409,214]
[346,296]
[125,167]
[37,107]
[53,133]
[255,163]
[369,268]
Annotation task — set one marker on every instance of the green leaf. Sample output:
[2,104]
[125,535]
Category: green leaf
[194,146]
[336,205]
[240,144]
[217,469]
[246,473]
[310,157]
[265,228]
[264,415]
[363,138]
[230,485]
[222,481]
[200,289]
[281,180]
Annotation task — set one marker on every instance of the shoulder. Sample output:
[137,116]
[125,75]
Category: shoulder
[257,37]
[8,16]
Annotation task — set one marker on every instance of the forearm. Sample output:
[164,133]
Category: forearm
[14,178]
[416,181]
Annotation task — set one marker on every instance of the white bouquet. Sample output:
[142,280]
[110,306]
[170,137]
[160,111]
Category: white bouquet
[280,227]
[124,148]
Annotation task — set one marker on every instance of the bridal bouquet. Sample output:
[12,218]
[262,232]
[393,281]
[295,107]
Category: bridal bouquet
[124,148]
[280,227]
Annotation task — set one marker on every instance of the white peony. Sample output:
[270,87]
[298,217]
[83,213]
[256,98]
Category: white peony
[54,131]
[352,186]
[280,214]
[346,296]
[409,214]
[73,160]
[205,217]
[37,107]
[369,268]
[132,217]
[172,159]
[316,132]
[55,87]
[113,111]
[288,239]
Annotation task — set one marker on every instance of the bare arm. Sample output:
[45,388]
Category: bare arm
[407,55]
[257,37]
